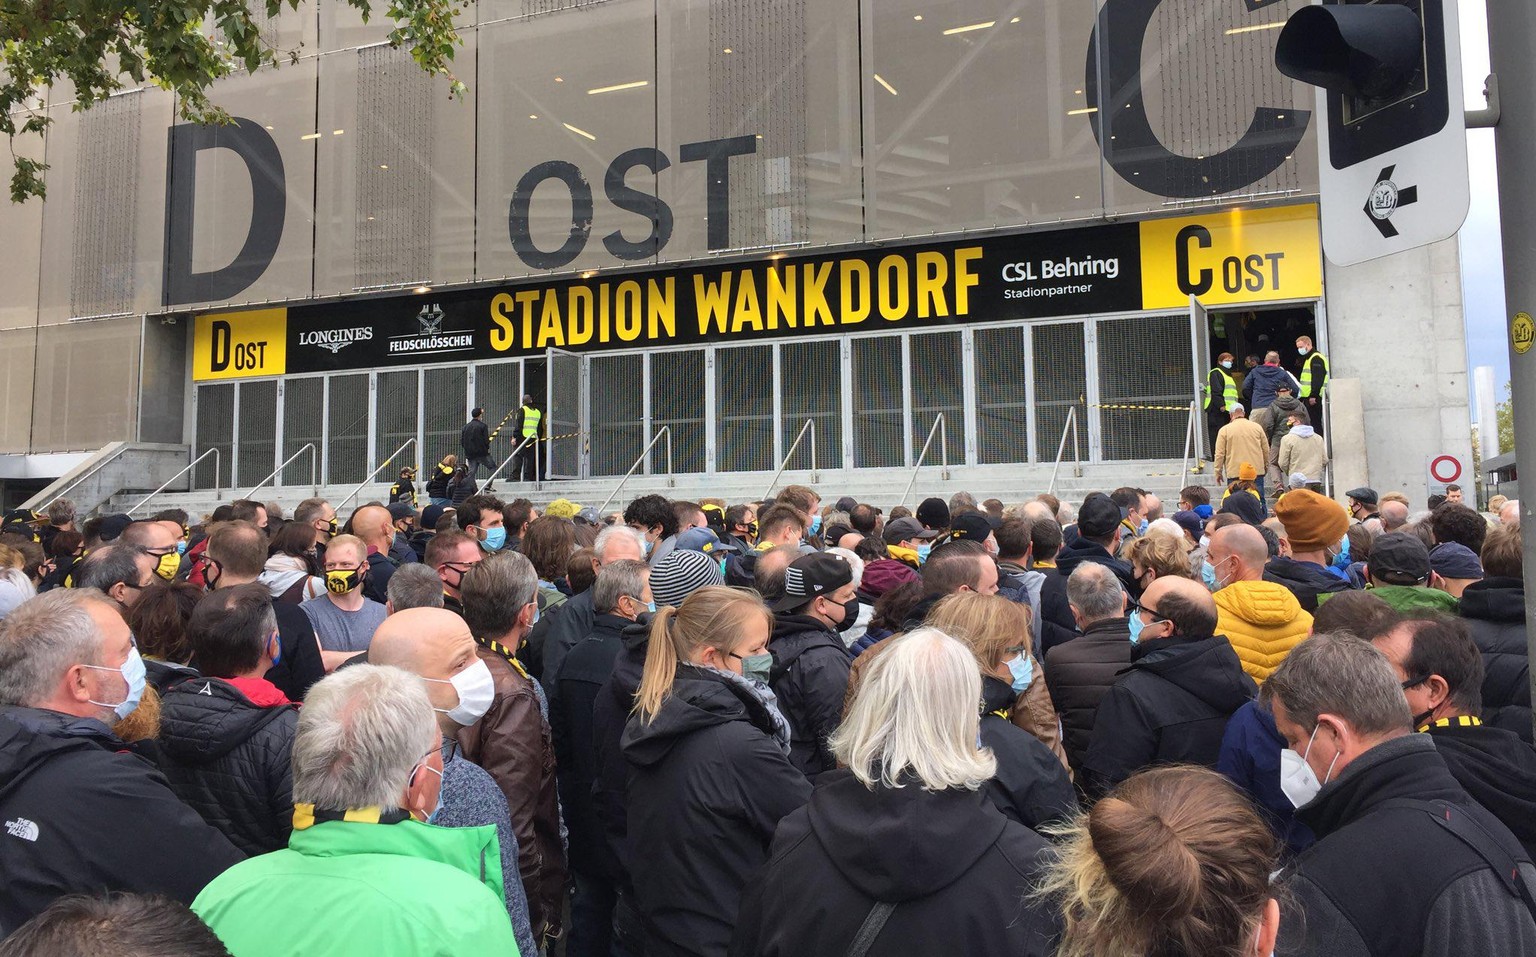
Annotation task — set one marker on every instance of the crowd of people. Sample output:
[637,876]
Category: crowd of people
[1260,725]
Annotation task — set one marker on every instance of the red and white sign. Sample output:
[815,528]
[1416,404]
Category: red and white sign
[1445,470]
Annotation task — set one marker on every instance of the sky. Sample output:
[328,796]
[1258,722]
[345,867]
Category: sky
[1482,263]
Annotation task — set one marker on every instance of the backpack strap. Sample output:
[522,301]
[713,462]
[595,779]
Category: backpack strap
[1471,832]
[870,929]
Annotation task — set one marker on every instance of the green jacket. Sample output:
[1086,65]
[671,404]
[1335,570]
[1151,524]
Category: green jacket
[343,888]
[1407,598]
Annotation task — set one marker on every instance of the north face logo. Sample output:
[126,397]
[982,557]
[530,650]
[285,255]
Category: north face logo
[22,828]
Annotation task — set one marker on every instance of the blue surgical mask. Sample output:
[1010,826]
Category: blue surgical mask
[1341,559]
[277,650]
[649,546]
[922,552]
[1134,621]
[437,809]
[815,525]
[1142,530]
[495,539]
[1226,364]
[650,606]
[1208,575]
[1023,670]
[181,547]
[132,670]
[1302,350]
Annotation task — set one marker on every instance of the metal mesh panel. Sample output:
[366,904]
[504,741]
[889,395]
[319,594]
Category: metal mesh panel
[396,399]
[617,409]
[877,414]
[938,386]
[86,385]
[1061,382]
[1002,410]
[812,388]
[258,432]
[444,413]
[1144,361]
[105,206]
[497,386]
[346,433]
[744,416]
[303,421]
[677,400]
[564,427]
[215,430]
[18,348]
[393,171]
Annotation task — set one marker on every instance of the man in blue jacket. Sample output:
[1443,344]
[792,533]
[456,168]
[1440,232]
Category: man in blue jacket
[1262,384]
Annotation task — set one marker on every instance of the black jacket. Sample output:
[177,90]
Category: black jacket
[810,677]
[1498,770]
[380,568]
[708,785]
[1057,626]
[1304,579]
[1385,880]
[558,631]
[1169,707]
[461,488]
[958,871]
[301,665]
[475,438]
[1085,550]
[1031,786]
[575,686]
[437,483]
[1079,674]
[1494,610]
[610,713]
[230,759]
[80,814]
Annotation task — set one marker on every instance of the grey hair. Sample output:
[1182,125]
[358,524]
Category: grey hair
[414,585]
[362,731]
[1095,592]
[607,535]
[915,714]
[43,638]
[1337,673]
[61,511]
[495,591]
[854,562]
[110,565]
[961,500]
[1167,526]
[615,580]
[1066,515]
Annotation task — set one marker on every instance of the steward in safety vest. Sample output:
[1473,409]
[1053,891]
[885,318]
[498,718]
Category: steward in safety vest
[1220,387]
[1314,371]
[529,417]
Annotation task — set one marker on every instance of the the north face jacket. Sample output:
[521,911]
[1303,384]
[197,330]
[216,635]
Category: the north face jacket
[1263,621]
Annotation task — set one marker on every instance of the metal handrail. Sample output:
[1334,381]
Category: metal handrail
[218,466]
[665,430]
[810,424]
[363,484]
[943,433]
[1077,450]
[314,458]
[512,455]
[1328,441]
[84,475]
[1191,436]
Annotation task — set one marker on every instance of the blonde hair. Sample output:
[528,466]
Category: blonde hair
[1173,861]
[711,617]
[450,460]
[348,541]
[915,715]
[988,624]
[1161,553]
[11,558]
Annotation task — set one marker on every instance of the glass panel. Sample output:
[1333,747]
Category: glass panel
[258,432]
[743,410]
[347,429]
[617,410]
[215,430]
[445,416]
[1061,382]
[812,388]
[938,386]
[303,422]
[677,400]
[877,411]
[396,399]
[1002,410]
[1145,363]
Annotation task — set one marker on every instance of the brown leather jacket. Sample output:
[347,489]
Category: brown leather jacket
[513,744]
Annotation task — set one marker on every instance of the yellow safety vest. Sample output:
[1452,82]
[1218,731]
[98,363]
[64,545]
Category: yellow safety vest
[1306,375]
[1228,390]
[531,417]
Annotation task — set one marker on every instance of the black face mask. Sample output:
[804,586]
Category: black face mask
[850,614]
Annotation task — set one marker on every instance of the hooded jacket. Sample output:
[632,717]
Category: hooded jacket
[1305,580]
[1262,382]
[883,575]
[1303,450]
[373,890]
[226,748]
[708,785]
[1385,880]
[957,870]
[810,677]
[1057,625]
[1169,707]
[1031,786]
[1263,621]
[1410,598]
[283,572]
[1084,550]
[79,813]
[1497,769]
[1280,412]
[1079,674]
[1250,758]
[1494,609]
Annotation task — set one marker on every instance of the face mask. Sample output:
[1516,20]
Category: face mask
[1208,575]
[752,528]
[332,527]
[815,526]
[1341,559]
[850,614]
[1134,621]
[277,650]
[476,689]
[535,614]
[1302,350]
[168,565]
[757,667]
[646,552]
[132,671]
[1023,670]
[922,553]
[650,606]
[1297,779]
[437,808]
[212,572]
[495,539]
[181,547]
[1226,364]
[342,580]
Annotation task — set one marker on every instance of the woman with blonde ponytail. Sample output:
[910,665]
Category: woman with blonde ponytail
[710,775]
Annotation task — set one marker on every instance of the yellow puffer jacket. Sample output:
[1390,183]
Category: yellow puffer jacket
[1264,621]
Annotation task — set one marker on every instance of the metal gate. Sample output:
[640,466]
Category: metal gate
[563,418]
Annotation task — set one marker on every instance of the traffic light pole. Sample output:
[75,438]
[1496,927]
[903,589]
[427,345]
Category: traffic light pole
[1512,40]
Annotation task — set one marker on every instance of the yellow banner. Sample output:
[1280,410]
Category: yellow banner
[240,345]
[1237,256]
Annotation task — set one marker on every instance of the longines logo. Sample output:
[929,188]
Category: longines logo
[430,337]
[336,339]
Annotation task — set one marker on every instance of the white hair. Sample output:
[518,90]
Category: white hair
[1066,515]
[42,639]
[1166,526]
[362,732]
[854,562]
[915,715]
[607,535]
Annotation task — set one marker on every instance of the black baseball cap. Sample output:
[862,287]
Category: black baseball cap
[971,526]
[1399,559]
[933,513]
[899,530]
[1098,516]
[811,576]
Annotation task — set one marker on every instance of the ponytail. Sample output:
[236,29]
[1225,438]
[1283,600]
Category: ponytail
[661,659]
[712,616]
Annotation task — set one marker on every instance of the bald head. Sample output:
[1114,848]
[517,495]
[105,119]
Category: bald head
[1238,553]
[1187,608]
[430,642]
[1038,512]
[374,525]
[1394,515]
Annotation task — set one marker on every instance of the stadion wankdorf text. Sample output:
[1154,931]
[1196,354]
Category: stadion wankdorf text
[1230,257]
